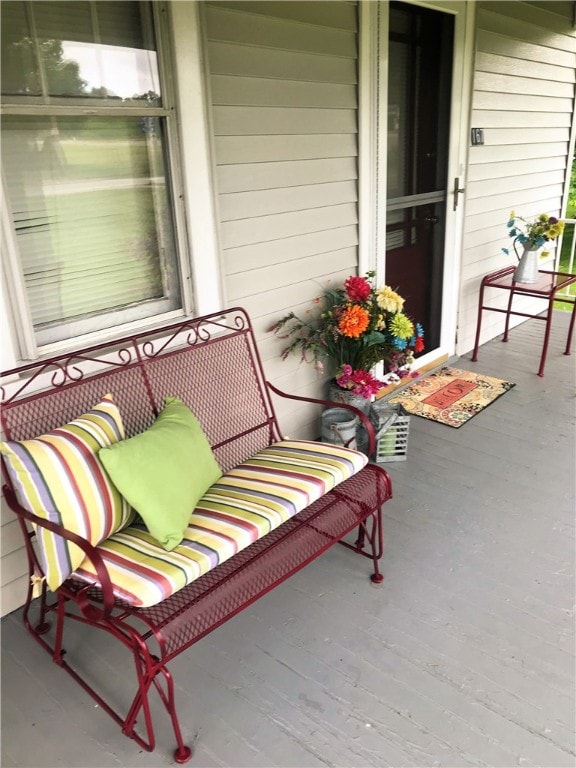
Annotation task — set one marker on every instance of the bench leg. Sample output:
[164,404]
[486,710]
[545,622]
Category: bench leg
[376,541]
[42,626]
[148,670]
[370,542]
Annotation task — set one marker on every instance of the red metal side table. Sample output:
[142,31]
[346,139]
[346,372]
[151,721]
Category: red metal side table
[547,286]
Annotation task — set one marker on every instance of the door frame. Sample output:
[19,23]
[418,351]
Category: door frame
[373,131]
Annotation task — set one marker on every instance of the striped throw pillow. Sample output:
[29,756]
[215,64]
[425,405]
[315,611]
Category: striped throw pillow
[59,477]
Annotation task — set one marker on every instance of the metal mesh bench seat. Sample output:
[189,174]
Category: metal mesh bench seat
[182,360]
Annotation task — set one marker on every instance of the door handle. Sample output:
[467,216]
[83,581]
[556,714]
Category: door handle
[457,190]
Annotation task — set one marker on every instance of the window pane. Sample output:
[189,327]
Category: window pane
[20,71]
[90,206]
[95,50]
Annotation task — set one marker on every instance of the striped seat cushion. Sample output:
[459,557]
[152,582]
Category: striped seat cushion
[243,505]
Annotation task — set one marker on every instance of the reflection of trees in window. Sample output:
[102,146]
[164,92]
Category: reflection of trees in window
[62,76]
[101,92]
[38,50]
[21,72]
[154,99]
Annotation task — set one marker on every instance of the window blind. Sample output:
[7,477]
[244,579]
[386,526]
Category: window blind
[90,209]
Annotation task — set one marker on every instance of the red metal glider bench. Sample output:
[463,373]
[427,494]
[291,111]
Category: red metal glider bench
[212,365]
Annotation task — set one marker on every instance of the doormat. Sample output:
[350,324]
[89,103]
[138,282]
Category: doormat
[451,396]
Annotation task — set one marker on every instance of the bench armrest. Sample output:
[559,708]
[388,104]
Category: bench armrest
[89,550]
[330,404]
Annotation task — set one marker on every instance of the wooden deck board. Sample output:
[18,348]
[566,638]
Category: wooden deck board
[463,657]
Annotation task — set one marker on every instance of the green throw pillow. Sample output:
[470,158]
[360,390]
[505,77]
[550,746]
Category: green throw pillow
[163,472]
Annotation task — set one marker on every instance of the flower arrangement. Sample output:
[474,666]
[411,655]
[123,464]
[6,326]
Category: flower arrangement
[357,326]
[533,234]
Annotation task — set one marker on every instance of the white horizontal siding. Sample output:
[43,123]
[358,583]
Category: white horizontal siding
[521,102]
[298,296]
[495,40]
[511,168]
[528,204]
[491,82]
[253,176]
[11,536]
[267,92]
[514,182]
[499,83]
[283,88]
[497,119]
[523,97]
[241,205]
[261,149]
[13,591]
[226,58]
[250,120]
[342,14]
[14,563]
[281,275]
[506,65]
[239,26]
[499,197]
[257,255]
[263,229]
[508,152]
[526,22]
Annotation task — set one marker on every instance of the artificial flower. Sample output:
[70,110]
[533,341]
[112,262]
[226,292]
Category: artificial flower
[402,326]
[353,321]
[533,234]
[357,288]
[358,382]
[389,299]
[356,327]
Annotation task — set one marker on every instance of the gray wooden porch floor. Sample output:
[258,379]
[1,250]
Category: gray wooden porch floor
[464,656]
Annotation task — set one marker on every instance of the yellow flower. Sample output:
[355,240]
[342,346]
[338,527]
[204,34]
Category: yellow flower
[389,300]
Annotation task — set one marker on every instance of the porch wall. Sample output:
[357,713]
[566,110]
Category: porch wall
[523,97]
[283,92]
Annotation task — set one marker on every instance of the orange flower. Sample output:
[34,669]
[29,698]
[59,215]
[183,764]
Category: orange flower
[354,321]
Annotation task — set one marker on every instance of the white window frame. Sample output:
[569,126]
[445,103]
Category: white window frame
[190,172]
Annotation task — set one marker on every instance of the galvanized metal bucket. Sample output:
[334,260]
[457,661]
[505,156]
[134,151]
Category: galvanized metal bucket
[339,427]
